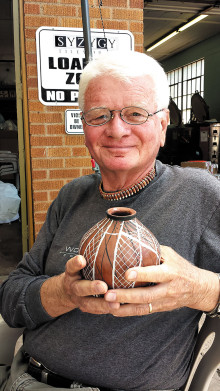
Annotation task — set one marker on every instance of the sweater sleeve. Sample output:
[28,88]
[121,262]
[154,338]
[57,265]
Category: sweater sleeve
[207,254]
[20,302]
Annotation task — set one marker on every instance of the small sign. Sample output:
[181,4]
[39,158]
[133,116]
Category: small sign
[61,59]
[73,123]
[204,136]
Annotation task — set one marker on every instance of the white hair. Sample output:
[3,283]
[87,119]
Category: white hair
[126,66]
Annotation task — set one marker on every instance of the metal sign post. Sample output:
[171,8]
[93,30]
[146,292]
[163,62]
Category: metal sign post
[86,30]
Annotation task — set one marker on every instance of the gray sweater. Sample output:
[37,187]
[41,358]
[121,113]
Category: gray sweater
[181,208]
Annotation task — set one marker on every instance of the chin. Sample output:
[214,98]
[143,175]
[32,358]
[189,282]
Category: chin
[122,168]
[120,164]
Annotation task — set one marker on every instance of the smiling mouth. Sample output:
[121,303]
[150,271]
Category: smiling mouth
[118,148]
[118,152]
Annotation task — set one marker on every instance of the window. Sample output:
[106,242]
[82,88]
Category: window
[184,82]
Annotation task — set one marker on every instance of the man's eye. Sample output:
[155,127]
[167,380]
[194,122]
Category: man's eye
[101,117]
[136,114]
[98,118]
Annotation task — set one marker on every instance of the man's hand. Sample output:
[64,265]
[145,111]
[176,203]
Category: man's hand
[178,284]
[67,291]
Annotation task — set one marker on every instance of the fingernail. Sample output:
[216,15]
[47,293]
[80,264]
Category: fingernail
[111,296]
[132,275]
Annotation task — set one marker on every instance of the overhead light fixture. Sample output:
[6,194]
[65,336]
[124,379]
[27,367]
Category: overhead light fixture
[177,31]
[163,40]
[193,21]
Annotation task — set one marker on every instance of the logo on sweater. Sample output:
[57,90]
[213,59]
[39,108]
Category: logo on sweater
[70,251]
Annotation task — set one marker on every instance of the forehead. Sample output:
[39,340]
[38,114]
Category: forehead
[113,93]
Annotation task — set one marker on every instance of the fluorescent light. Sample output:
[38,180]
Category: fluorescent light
[180,29]
[162,40]
[193,21]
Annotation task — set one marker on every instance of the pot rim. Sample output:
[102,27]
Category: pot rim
[121,213]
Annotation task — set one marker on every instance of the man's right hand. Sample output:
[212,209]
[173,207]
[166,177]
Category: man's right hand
[67,291]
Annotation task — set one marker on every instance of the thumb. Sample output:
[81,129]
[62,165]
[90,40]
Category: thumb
[75,264]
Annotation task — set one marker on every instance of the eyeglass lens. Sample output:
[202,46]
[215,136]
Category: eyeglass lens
[101,115]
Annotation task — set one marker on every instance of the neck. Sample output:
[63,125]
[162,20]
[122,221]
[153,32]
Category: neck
[128,191]
[115,181]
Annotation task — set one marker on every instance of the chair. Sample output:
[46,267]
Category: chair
[9,165]
[8,339]
[206,363]
[201,373]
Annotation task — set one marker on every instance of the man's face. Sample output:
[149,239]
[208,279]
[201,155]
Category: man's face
[116,145]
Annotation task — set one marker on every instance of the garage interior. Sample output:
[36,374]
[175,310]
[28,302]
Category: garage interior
[10,232]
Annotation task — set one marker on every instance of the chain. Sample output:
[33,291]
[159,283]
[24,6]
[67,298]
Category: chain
[100,5]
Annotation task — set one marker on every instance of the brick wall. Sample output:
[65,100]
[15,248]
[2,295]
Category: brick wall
[57,158]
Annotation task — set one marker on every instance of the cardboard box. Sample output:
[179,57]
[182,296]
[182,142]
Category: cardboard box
[196,164]
[206,165]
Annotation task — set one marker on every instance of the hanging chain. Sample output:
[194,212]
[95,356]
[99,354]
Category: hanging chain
[100,5]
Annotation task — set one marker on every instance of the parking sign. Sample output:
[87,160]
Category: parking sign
[61,59]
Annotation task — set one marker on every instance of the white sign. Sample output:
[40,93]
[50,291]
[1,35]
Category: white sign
[73,123]
[61,59]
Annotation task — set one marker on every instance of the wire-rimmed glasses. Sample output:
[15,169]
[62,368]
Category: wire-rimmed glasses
[132,115]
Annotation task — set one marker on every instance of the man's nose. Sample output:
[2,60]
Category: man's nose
[116,127]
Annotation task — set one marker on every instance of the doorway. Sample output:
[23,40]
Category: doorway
[12,241]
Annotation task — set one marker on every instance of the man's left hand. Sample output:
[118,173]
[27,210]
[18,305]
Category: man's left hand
[178,284]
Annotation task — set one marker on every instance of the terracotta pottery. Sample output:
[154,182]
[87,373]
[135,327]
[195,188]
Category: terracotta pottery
[116,243]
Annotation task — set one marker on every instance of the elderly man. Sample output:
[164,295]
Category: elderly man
[80,331]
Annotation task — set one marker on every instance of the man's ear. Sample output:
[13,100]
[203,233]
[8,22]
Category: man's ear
[164,123]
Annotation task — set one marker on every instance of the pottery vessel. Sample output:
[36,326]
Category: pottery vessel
[116,243]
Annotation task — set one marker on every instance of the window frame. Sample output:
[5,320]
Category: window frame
[184,81]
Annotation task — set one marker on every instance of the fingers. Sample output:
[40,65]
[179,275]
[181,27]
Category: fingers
[141,301]
[74,283]
[143,308]
[137,295]
[97,305]
[158,273]
[131,310]
[148,274]
[172,266]
[167,294]
[89,288]
[178,284]
[78,291]
[75,264]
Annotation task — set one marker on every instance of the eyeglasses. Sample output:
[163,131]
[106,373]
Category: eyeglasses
[131,115]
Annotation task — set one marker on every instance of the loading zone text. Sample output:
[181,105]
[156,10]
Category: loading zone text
[61,59]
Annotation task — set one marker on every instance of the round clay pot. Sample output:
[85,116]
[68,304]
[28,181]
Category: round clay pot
[116,243]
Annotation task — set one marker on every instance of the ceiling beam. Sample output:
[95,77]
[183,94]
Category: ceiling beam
[212,10]
[207,21]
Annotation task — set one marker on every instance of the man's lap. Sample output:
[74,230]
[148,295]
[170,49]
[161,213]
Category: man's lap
[16,378]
